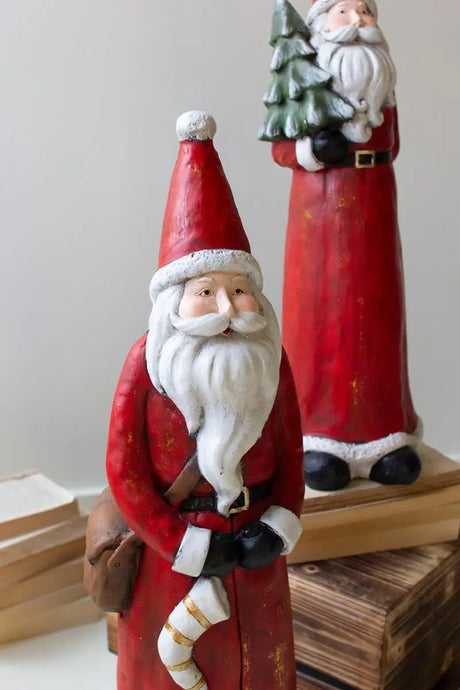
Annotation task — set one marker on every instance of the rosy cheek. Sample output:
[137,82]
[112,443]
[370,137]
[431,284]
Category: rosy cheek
[337,20]
[248,303]
[189,308]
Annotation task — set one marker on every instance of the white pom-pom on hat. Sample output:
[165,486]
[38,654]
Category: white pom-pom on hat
[196,125]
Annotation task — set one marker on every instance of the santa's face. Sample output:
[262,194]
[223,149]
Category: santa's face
[349,13]
[352,49]
[225,294]
[225,387]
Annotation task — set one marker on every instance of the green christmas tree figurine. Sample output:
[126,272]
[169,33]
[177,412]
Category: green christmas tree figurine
[300,101]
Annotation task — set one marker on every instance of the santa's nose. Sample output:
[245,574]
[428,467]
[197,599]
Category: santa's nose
[356,19]
[224,304]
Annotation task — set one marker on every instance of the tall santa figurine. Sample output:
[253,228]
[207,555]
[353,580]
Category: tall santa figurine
[204,457]
[333,120]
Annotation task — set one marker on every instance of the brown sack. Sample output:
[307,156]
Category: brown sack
[112,556]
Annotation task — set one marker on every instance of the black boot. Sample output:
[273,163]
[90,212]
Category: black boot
[325,472]
[403,466]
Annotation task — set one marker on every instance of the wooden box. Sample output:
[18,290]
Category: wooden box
[383,621]
[451,681]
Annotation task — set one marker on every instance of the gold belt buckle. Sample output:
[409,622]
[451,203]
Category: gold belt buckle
[359,155]
[245,492]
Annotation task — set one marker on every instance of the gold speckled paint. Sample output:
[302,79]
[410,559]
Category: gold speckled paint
[195,169]
[357,388]
[246,662]
[128,440]
[278,656]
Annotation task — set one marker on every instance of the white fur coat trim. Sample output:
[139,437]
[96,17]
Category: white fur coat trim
[305,156]
[361,457]
[193,551]
[205,261]
[286,525]
[206,605]
[321,6]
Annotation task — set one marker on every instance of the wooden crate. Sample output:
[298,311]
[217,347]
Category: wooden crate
[451,681]
[383,621]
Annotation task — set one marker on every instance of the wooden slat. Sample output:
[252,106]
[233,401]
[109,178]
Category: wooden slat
[396,511]
[438,472]
[42,583]
[306,683]
[358,541]
[112,625]
[43,550]
[30,501]
[68,615]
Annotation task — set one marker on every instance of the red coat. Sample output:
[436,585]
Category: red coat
[148,446]
[344,324]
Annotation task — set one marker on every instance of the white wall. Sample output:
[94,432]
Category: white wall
[89,92]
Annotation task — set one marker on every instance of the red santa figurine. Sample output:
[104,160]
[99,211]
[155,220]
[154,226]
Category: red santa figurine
[344,325]
[209,385]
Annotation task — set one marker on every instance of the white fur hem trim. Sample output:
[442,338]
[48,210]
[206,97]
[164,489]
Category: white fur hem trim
[205,261]
[305,156]
[193,551]
[286,525]
[321,6]
[196,125]
[361,457]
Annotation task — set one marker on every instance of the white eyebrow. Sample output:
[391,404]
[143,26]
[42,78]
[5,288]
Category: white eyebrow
[204,279]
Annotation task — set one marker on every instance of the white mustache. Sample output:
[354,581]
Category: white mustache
[348,34]
[245,322]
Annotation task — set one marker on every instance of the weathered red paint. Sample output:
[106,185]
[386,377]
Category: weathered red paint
[200,197]
[344,326]
[148,445]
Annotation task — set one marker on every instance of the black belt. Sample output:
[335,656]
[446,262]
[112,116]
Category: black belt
[364,160]
[197,504]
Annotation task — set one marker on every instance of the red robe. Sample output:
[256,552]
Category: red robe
[148,446]
[344,324]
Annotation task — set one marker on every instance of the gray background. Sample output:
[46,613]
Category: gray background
[90,91]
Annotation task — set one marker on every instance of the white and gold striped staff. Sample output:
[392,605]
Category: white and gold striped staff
[206,605]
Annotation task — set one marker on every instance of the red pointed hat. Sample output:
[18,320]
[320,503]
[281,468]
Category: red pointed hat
[202,230]
[320,6]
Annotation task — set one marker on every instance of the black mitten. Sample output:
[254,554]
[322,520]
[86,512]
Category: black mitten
[259,546]
[222,556]
[330,146]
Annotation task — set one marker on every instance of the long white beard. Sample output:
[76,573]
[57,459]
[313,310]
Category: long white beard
[224,387]
[363,74]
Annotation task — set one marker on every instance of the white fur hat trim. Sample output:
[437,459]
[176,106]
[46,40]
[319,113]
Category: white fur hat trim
[196,125]
[321,6]
[205,261]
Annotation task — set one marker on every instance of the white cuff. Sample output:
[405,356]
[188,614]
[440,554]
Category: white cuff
[193,551]
[286,525]
[305,156]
